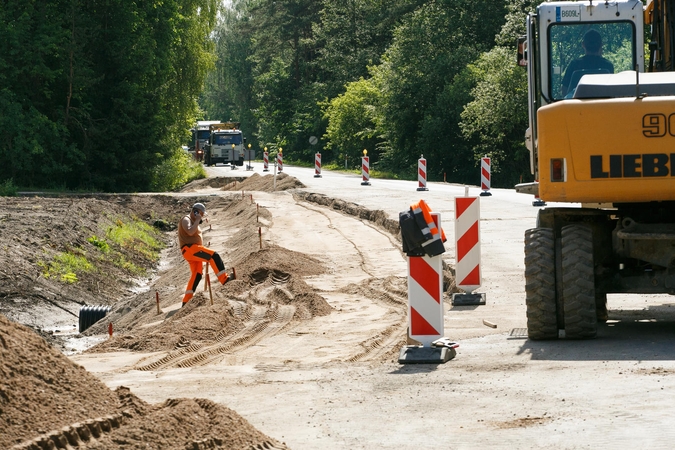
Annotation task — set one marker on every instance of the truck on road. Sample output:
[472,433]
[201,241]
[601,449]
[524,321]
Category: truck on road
[225,145]
[200,137]
[602,137]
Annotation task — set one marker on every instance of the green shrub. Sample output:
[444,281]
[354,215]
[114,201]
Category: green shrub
[8,188]
[175,171]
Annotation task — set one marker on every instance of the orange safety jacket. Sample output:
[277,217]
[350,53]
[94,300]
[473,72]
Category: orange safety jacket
[419,232]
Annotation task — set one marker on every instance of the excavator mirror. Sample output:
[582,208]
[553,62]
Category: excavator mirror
[522,51]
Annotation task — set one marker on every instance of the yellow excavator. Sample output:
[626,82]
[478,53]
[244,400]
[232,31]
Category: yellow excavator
[601,137]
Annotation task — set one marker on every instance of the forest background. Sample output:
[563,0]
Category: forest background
[100,94]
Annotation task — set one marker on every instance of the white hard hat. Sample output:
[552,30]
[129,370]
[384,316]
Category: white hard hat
[200,207]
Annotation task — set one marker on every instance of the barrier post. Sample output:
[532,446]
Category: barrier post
[485,176]
[365,169]
[266,161]
[317,165]
[280,161]
[425,310]
[467,253]
[422,174]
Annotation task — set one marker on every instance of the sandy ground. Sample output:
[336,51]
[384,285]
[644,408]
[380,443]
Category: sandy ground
[333,381]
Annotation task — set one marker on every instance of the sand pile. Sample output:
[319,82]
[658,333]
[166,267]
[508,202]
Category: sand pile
[265,183]
[45,397]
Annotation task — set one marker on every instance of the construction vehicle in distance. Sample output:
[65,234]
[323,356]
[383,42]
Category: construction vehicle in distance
[200,137]
[225,145]
[605,141]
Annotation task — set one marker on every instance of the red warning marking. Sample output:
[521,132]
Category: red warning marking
[467,241]
[472,279]
[425,276]
[463,203]
[419,326]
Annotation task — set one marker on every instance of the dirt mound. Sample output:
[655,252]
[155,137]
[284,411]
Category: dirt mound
[265,183]
[255,182]
[197,323]
[185,423]
[41,230]
[40,389]
[46,397]
[279,259]
[268,276]
[213,182]
[378,217]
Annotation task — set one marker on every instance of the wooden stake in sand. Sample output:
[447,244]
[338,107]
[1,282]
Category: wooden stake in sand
[207,282]
[157,300]
[260,236]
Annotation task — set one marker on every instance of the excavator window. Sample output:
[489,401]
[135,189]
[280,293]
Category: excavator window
[578,48]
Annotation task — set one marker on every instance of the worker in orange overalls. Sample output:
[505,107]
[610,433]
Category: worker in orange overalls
[194,252]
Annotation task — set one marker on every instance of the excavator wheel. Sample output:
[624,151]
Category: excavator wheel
[540,292]
[578,282]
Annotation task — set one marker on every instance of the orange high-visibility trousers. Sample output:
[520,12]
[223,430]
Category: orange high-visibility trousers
[196,255]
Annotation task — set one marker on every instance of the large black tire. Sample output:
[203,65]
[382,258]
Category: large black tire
[578,282]
[540,297]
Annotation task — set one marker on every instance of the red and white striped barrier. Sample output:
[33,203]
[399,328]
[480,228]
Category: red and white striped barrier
[422,174]
[280,162]
[467,239]
[266,161]
[317,165]
[425,295]
[365,171]
[485,176]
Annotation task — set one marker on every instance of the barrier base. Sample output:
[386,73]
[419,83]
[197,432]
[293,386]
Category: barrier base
[317,176]
[266,170]
[486,194]
[426,355]
[468,299]
[422,189]
[365,183]
[538,202]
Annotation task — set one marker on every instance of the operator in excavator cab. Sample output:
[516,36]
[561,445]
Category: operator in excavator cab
[591,62]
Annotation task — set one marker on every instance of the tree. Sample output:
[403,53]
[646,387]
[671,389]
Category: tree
[431,47]
[96,94]
[352,122]
[496,119]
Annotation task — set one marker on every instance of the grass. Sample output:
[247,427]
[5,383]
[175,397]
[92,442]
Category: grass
[99,243]
[137,236]
[65,267]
